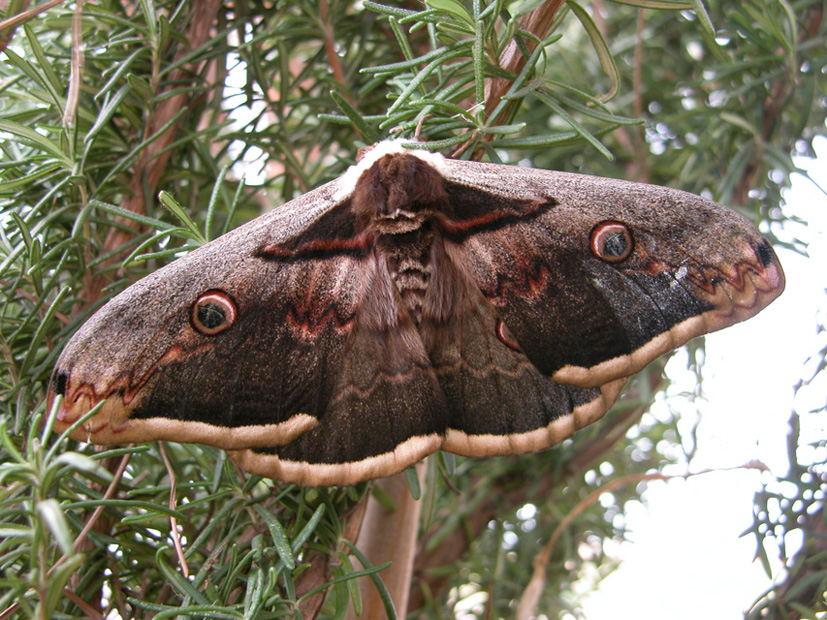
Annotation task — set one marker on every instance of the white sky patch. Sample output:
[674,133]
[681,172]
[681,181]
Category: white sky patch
[686,558]
[252,164]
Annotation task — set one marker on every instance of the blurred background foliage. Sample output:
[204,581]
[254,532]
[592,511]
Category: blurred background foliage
[134,130]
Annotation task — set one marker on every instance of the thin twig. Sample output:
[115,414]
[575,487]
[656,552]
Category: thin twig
[34,299]
[110,491]
[631,138]
[778,95]
[333,59]
[76,71]
[173,522]
[12,23]
[152,161]
[90,611]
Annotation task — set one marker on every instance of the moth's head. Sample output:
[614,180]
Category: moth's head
[399,183]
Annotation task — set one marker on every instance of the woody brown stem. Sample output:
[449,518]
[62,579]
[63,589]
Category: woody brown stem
[320,565]
[537,22]
[509,495]
[153,159]
[389,535]
[779,94]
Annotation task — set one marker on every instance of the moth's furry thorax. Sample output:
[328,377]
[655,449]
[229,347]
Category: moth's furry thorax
[399,199]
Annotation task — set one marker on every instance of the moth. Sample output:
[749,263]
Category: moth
[415,303]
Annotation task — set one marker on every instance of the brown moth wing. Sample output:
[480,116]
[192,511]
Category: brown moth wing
[386,412]
[249,385]
[694,267]
[319,378]
[499,401]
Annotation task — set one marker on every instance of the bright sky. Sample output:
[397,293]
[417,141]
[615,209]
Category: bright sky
[686,559]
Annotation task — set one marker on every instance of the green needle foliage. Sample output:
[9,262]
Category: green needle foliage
[132,131]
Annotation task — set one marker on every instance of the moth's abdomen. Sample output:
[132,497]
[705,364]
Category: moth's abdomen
[412,284]
[408,260]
